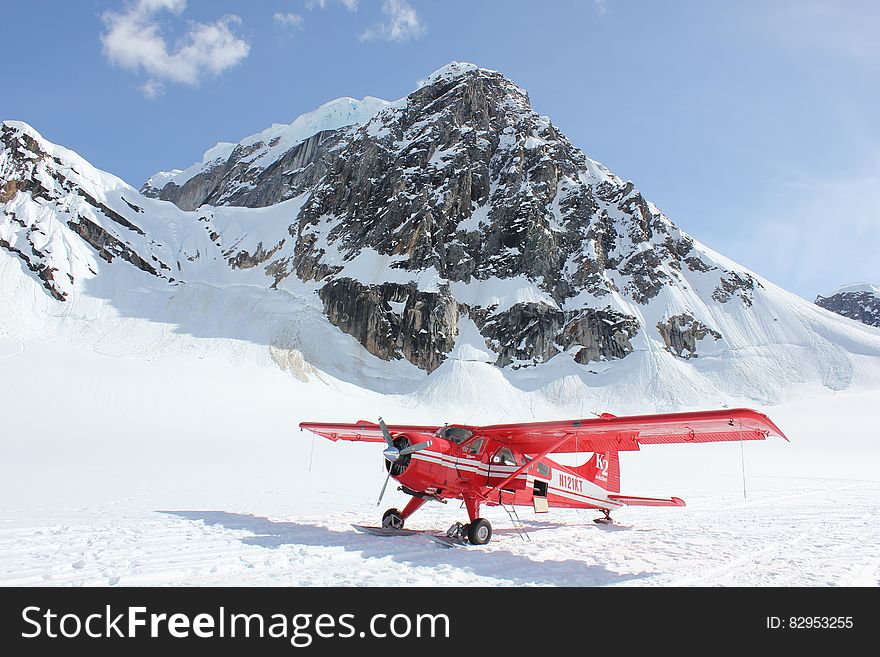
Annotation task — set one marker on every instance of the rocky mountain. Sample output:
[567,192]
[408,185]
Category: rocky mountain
[453,224]
[268,167]
[471,204]
[858,301]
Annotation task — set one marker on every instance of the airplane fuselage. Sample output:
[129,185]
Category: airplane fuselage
[494,474]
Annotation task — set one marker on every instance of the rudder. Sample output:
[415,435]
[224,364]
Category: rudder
[603,469]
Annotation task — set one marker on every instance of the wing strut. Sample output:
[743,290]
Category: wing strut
[527,465]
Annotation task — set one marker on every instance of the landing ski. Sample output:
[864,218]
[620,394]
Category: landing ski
[386,531]
[448,541]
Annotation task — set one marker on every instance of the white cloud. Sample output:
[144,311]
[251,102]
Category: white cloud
[289,19]
[152,89]
[403,23]
[351,5]
[133,40]
[601,6]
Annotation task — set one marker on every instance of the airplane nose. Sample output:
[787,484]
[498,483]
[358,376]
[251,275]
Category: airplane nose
[391,454]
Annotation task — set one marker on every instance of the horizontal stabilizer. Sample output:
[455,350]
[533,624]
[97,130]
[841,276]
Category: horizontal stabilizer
[629,500]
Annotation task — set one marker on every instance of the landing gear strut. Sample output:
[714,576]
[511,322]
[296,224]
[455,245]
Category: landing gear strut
[478,532]
[394,519]
[457,531]
[606,520]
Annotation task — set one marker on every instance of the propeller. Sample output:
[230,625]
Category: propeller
[396,453]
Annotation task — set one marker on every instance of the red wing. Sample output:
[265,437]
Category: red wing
[362,430]
[609,434]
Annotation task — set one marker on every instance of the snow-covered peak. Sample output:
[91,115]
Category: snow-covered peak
[268,145]
[68,162]
[220,150]
[54,150]
[332,115]
[21,126]
[455,70]
[452,70]
[855,288]
[161,178]
[859,301]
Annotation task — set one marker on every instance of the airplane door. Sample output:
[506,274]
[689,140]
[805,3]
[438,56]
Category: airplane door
[539,496]
[469,462]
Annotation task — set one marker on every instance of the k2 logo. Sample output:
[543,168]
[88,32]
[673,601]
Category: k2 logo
[602,465]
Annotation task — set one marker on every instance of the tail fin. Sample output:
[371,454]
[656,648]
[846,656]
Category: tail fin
[603,470]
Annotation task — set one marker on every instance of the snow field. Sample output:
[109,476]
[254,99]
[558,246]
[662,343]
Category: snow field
[191,470]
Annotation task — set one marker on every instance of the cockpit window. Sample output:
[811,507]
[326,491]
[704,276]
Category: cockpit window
[543,468]
[474,447]
[504,457]
[456,434]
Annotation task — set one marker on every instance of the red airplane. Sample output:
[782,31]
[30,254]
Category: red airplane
[508,464]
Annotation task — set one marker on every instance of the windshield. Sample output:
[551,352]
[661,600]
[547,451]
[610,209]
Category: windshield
[456,434]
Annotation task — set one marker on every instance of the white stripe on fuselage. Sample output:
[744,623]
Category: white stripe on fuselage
[454,460]
[499,471]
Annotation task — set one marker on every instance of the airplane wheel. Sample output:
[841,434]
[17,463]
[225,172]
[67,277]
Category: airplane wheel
[479,532]
[392,519]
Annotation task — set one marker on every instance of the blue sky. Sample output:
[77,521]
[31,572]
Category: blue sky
[753,125]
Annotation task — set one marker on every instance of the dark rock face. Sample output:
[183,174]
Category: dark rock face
[235,181]
[736,283]
[682,332]
[862,306]
[394,321]
[107,246]
[532,333]
[244,260]
[9,190]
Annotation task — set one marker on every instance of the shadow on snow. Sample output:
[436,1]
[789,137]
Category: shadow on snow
[415,550]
